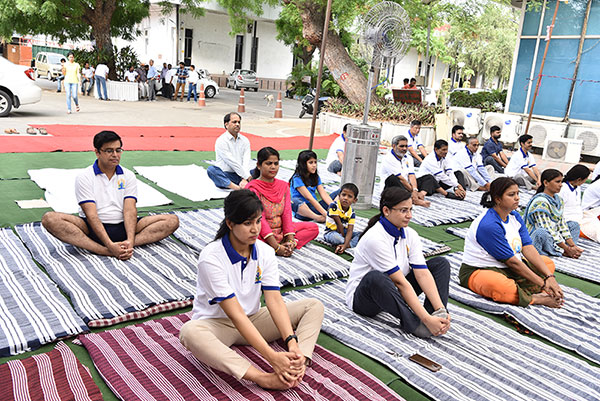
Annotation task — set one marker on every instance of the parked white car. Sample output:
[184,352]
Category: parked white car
[17,86]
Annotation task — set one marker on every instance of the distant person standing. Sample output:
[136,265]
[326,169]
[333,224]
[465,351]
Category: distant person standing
[142,80]
[61,77]
[169,88]
[182,75]
[100,77]
[193,78]
[71,71]
[153,76]
[87,77]
[492,153]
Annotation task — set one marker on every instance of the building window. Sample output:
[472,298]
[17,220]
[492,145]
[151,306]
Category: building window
[187,49]
[254,54]
[239,52]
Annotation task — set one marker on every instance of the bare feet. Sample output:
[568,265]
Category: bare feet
[268,381]
[420,202]
[545,299]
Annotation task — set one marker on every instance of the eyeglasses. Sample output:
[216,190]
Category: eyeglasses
[402,210]
[111,151]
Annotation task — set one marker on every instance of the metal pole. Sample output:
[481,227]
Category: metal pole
[539,81]
[320,75]
[427,52]
[578,60]
[368,99]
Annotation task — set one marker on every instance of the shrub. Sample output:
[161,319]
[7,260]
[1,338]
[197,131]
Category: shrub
[395,113]
[486,101]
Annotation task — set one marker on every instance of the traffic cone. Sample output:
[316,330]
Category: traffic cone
[242,103]
[278,107]
[201,99]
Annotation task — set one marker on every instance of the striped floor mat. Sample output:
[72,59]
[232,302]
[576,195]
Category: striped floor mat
[105,290]
[574,326]
[147,362]
[586,267]
[55,375]
[308,265]
[430,248]
[481,359]
[32,310]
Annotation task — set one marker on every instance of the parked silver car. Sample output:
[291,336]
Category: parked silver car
[243,79]
[48,65]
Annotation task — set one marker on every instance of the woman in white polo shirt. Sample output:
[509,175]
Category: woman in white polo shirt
[497,241]
[233,271]
[389,271]
[570,192]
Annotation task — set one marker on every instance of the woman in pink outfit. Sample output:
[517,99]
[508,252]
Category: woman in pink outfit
[277,228]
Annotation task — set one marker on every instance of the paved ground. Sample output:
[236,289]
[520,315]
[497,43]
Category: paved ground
[258,118]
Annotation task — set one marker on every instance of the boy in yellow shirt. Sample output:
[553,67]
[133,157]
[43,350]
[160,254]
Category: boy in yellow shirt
[339,226]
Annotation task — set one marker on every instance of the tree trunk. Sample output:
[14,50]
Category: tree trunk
[100,18]
[345,72]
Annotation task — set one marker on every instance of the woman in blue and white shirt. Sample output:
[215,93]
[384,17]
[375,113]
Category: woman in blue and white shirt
[493,263]
[389,271]
[233,271]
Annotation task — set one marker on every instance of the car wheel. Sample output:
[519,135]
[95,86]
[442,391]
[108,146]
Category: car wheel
[37,74]
[255,89]
[235,86]
[49,76]
[5,104]
[210,92]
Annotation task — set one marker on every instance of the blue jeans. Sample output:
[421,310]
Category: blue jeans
[71,90]
[377,292]
[59,79]
[297,202]
[192,88]
[334,167]
[335,238]
[221,178]
[85,83]
[101,84]
[492,162]
[545,244]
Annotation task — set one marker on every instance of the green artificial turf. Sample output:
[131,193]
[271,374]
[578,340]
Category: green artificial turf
[15,185]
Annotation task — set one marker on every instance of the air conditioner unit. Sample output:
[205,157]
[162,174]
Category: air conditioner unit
[468,118]
[565,150]
[590,136]
[510,125]
[542,130]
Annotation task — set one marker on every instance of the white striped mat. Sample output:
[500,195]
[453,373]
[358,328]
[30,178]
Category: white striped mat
[32,310]
[430,248]
[574,326]
[586,267]
[481,359]
[102,287]
[190,181]
[308,265]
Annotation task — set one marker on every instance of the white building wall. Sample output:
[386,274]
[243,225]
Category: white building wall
[407,68]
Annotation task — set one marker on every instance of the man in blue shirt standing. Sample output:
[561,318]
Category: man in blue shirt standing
[152,78]
[492,153]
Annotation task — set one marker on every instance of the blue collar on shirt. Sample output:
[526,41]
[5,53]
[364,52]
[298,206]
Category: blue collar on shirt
[392,229]
[572,188]
[234,256]
[411,135]
[436,156]
[343,137]
[398,157]
[452,139]
[97,170]
[525,154]
[469,152]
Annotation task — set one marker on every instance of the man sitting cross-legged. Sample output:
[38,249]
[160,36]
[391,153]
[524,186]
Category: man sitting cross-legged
[107,194]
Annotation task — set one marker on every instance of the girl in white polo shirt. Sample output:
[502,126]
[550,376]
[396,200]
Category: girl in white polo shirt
[497,241]
[233,271]
[570,192]
[389,271]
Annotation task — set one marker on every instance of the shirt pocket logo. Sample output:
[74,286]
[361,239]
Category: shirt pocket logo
[258,278]
[121,183]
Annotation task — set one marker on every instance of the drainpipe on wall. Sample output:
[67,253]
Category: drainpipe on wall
[176,35]
[578,60]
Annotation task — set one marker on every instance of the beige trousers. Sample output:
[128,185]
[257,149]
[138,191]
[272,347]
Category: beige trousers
[210,339]
[471,183]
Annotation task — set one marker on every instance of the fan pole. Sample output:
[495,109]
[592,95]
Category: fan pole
[368,99]
[320,75]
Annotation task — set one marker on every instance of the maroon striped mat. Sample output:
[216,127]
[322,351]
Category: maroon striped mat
[55,375]
[147,362]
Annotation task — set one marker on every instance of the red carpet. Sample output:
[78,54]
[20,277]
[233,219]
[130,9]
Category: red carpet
[74,138]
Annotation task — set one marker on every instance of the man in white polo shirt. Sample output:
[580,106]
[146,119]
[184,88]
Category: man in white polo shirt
[436,165]
[468,161]
[232,149]
[456,141]
[335,155]
[522,167]
[107,195]
[414,143]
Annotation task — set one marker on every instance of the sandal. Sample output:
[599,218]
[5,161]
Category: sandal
[77,108]
[43,131]
[11,131]
[31,131]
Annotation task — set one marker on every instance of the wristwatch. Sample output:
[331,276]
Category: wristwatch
[289,338]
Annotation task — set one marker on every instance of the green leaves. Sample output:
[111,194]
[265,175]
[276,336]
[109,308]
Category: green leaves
[394,113]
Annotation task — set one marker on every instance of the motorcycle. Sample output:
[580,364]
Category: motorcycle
[308,103]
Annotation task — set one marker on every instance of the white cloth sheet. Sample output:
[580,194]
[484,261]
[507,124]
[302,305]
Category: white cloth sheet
[60,189]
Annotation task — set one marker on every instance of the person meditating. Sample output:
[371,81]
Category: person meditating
[233,271]
[304,185]
[107,195]
[389,271]
[499,260]
[277,229]
[551,234]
